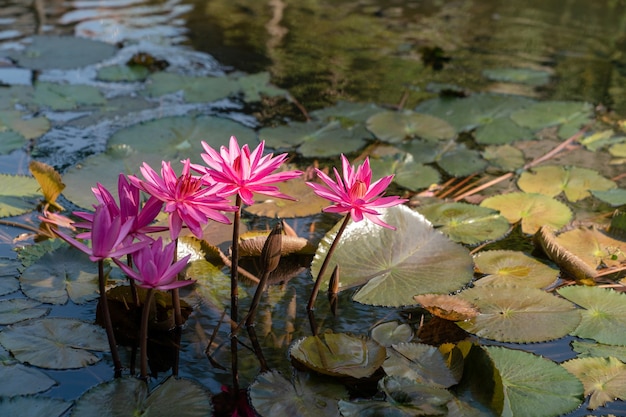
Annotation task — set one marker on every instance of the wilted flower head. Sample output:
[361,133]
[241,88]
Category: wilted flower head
[354,193]
[186,198]
[243,172]
[155,268]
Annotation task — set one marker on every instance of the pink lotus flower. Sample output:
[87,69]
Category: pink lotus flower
[355,194]
[155,268]
[108,236]
[244,172]
[186,199]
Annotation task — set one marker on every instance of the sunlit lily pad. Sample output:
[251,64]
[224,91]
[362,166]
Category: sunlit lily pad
[121,73]
[18,309]
[551,113]
[501,131]
[49,180]
[59,275]
[529,380]
[396,126]
[62,52]
[604,379]
[594,247]
[254,86]
[604,311]
[18,194]
[397,264]
[31,406]
[404,398]
[510,313]
[466,223]
[526,76]
[447,307]
[308,395]
[307,203]
[195,89]
[513,267]
[66,96]
[129,397]
[55,343]
[391,332]
[534,210]
[506,157]
[28,128]
[212,284]
[419,362]
[551,180]
[339,354]
[8,276]
[473,111]
[24,380]
[461,161]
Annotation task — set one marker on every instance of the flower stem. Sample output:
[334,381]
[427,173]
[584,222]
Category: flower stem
[143,335]
[329,254]
[108,324]
[178,316]
[234,299]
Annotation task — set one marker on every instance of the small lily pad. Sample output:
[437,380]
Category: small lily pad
[54,343]
[67,96]
[466,223]
[49,180]
[533,210]
[391,332]
[195,89]
[254,86]
[348,113]
[415,176]
[552,113]
[604,379]
[18,194]
[62,52]
[526,76]
[594,247]
[395,127]
[8,276]
[122,73]
[59,275]
[308,395]
[513,267]
[33,406]
[615,197]
[592,349]
[460,161]
[506,157]
[604,310]
[447,307]
[501,131]
[339,354]
[18,309]
[419,362]
[28,128]
[24,380]
[510,313]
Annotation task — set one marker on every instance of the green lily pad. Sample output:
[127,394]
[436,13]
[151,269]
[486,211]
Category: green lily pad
[391,332]
[195,89]
[419,362]
[11,141]
[211,282]
[501,131]
[122,73]
[395,127]
[129,397]
[308,395]
[55,343]
[18,194]
[347,113]
[422,151]
[67,96]
[408,172]
[307,203]
[551,180]
[466,223]
[525,76]
[18,309]
[476,110]
[589,349]
[31,406]
[510,313]
[24,380]
[28,128]
[529,380]
[533,210]
[8,276]
[506,157]
[254,86]
[415,176]
[66,273]
[404,398]
[604,379]
[604,311]
[339,354]
[551,113]
[62,52]
[615,197]
[513,267]
[618,150]
[397,264]
[460,161]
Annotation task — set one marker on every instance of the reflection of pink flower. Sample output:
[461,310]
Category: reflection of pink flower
[155,268]
[108,236]
[355,194]
[186,199]
[244,172]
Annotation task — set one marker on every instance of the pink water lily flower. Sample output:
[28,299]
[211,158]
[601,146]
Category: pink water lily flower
[155,268]
[244,172]
[354,193]
[187,200]
[108,236]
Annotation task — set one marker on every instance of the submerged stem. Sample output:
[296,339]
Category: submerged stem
[143,335]
[234,299]
[108,324]
[329,254]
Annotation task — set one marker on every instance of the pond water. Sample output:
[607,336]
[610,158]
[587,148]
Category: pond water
[392,53]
